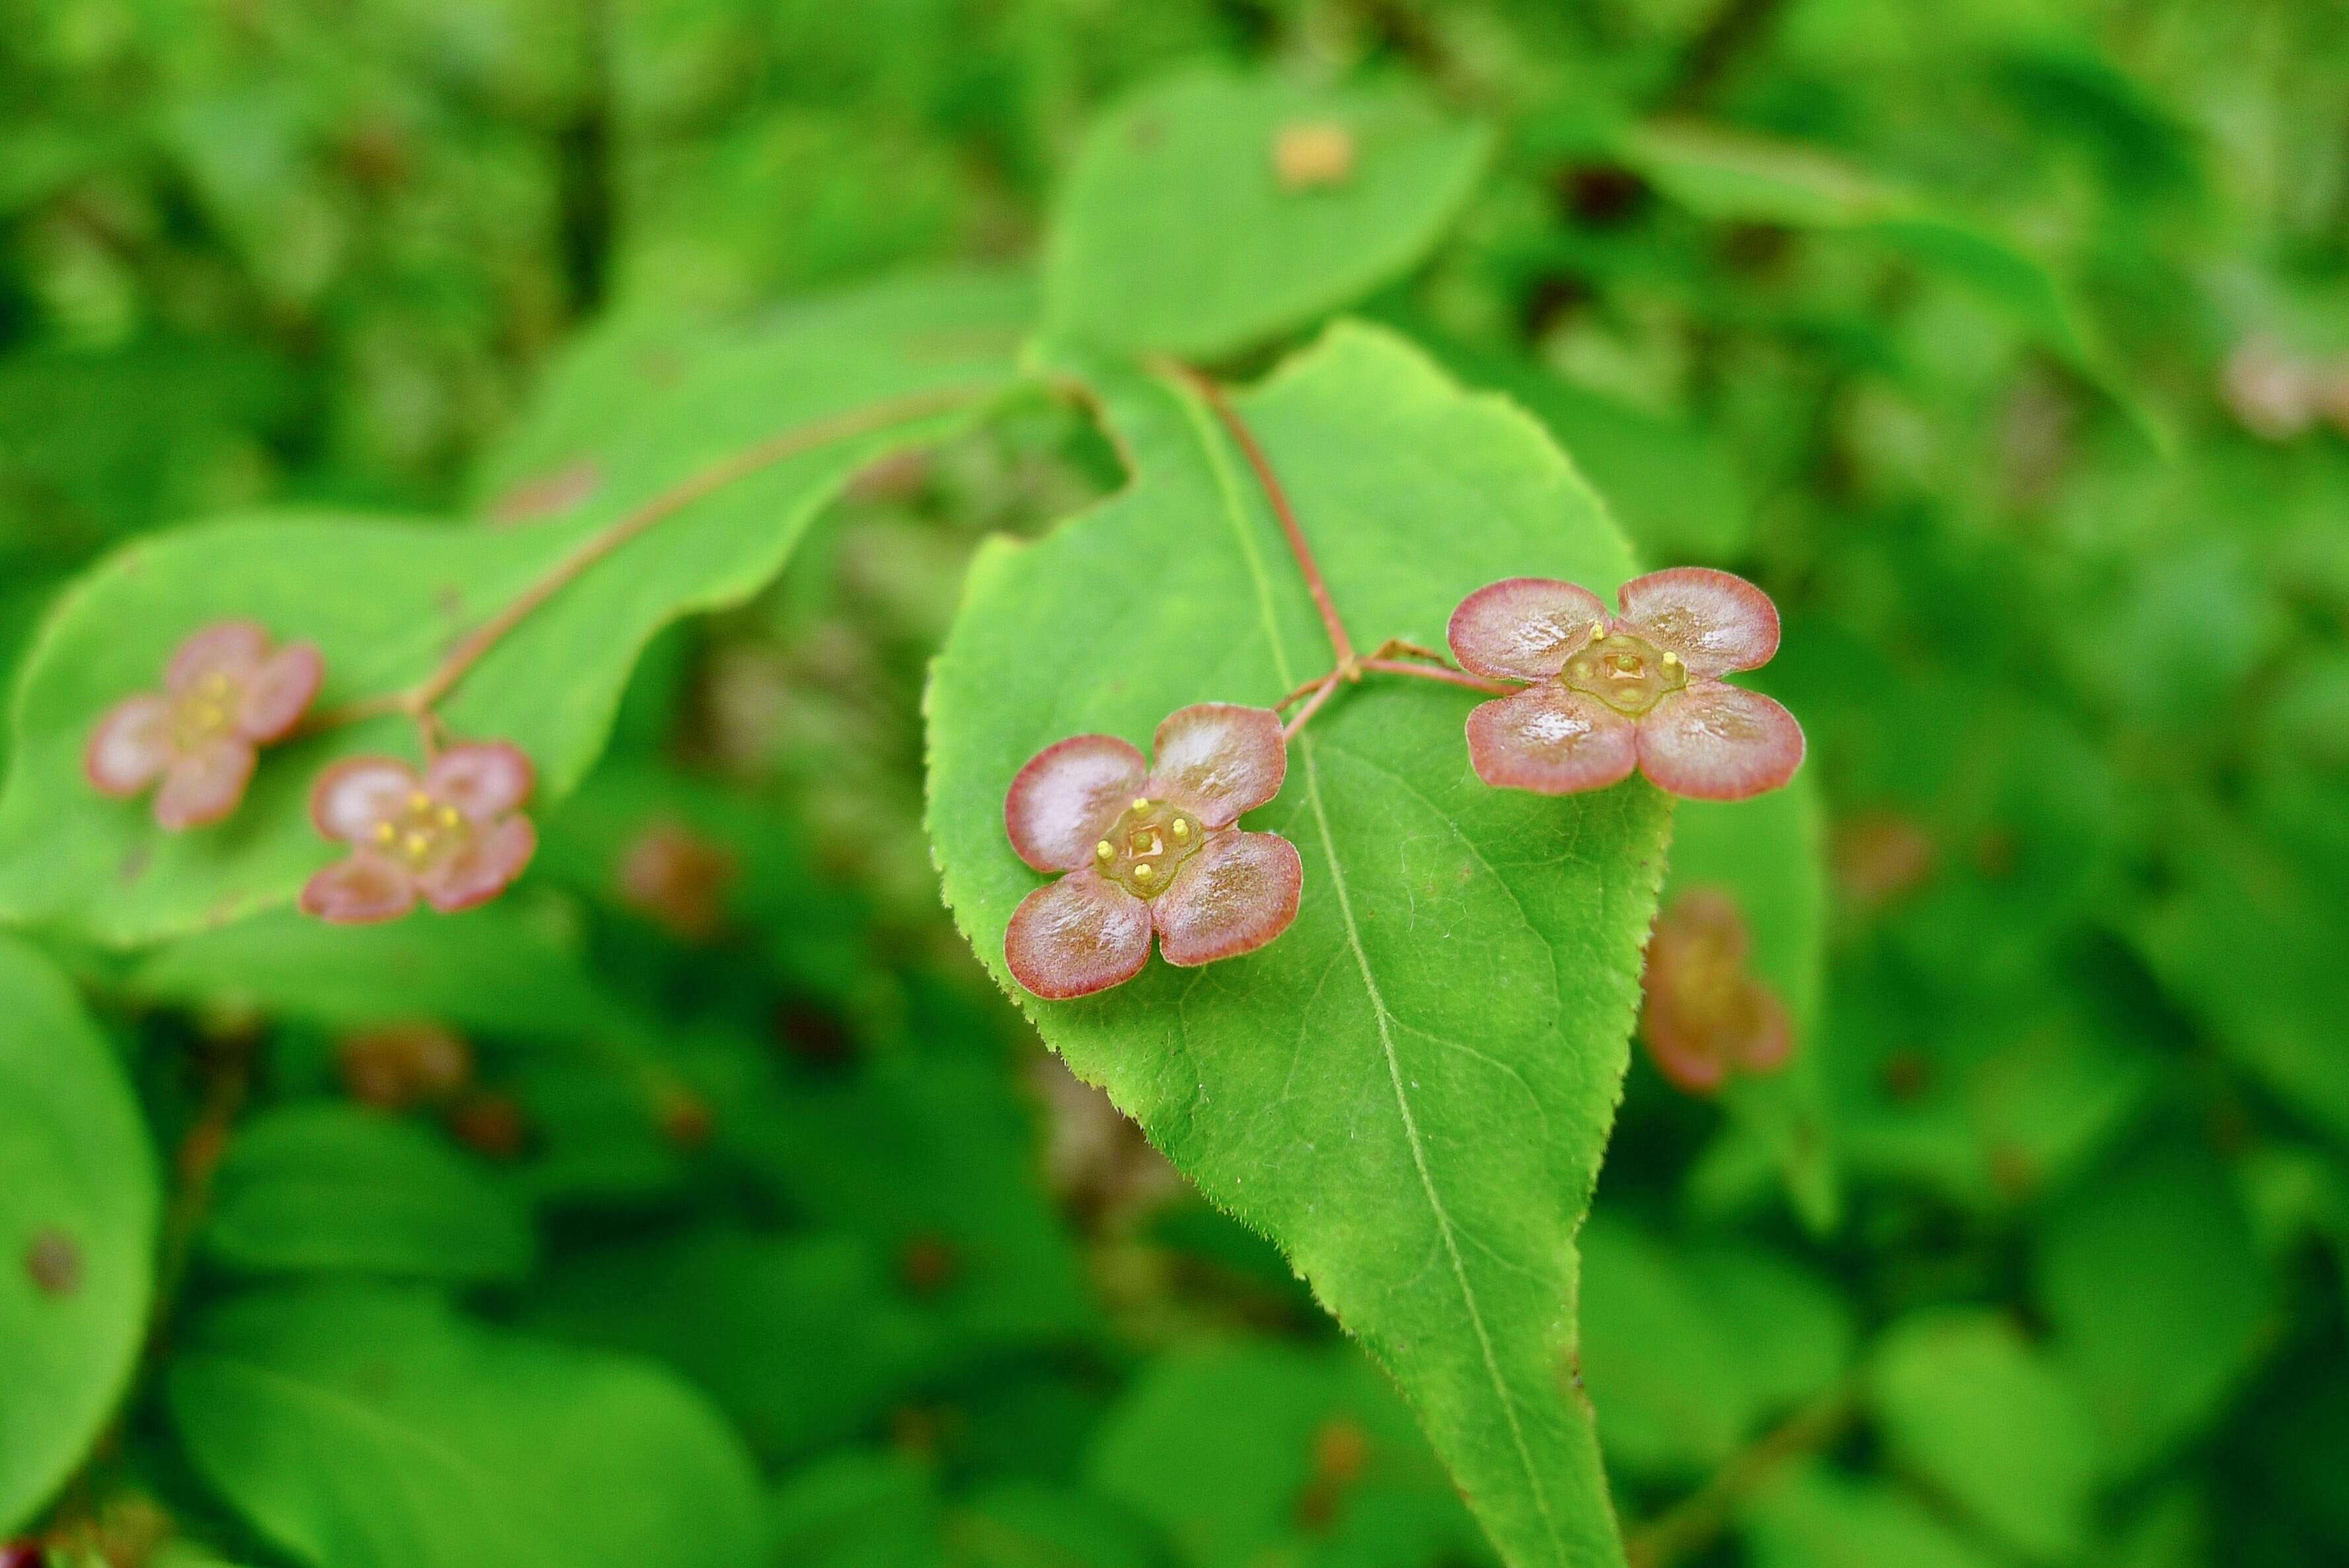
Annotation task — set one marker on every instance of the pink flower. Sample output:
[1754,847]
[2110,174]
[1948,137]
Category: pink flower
[451,838]
[225,695]
[1703,1014]
[1642,689]
[1149,852]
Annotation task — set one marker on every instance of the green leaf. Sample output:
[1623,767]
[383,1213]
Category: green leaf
[1253,1453]
[1967,1404]
[1175,234]
[333,1187]
[745,432]
[1816,1518]
[2152,1278]
[1738,177]
[77,1218]
[801,1341]
[1411,1090]
[1688,1349]
[357,1427]
[1768,855]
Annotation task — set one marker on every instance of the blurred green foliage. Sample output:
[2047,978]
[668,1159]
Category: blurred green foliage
[2005,341]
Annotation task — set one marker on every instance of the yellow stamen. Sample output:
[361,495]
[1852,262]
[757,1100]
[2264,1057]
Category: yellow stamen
[1140,804]
[1670,658]
[1145,871]
[448,816]
[1597,634]
[1181,829]
[1105,850]
[418,843]
[385,833]
[417,800]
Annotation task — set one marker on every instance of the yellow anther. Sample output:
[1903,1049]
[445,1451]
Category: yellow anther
[1145,871]
[1181,829]
[1670,657]
[419,801]
[385,833]
[448,816]
[1141,804]
[418,843]
[1105,850]
[1598,634]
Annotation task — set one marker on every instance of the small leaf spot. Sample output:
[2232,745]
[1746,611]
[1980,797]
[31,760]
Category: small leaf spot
[53,1263]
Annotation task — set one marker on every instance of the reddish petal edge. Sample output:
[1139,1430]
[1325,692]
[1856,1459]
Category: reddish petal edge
[1239,892]
[203,786]
[231,648]
[1218,760]
[1523,628]
[361,889]
[1551,741]
[278,693]
[482,869]
[1716,620]
[130,748]
[1715,742]
[1066,797]
[482,778]
[1076,936]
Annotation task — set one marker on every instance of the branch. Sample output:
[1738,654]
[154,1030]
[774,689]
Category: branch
[1691,1525]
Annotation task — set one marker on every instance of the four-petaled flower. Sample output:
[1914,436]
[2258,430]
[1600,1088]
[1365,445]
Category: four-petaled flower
[1642,689]
[225,695]
[451,838]
[1149,850]
[1703,1014]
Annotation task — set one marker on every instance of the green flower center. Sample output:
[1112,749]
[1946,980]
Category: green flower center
[1628,674]
[1146,845]
[421,830]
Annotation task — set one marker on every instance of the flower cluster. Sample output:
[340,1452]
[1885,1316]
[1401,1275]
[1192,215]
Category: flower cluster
[226,694]
[1149,852]
[452,837]
[1641,689]
[1703,1014]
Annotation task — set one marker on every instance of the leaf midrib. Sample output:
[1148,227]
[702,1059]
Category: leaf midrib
[1197,417]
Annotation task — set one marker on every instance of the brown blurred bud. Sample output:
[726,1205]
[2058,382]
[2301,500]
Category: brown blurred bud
[1341,1453]
[1312,153]
[928,1263]
[1705,1015]
[402,1065]
[685,1117]
[53,1262]
[676,879]
[490,1124]
[1879,859]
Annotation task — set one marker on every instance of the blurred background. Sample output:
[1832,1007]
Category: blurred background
[2067,581]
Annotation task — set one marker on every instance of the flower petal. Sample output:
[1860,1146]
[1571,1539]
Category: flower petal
[1220,760]
[1690,1060]
[1768,1040]
[278,693]
[351,798]
[1715,621]
[205,785]
[360,889]
[129,746]
[1238,893]
[482,779]
[1078,936]
[1522,628]
[1716,742]
[1066,797]
[482,869]
[1552,741]
[230,648]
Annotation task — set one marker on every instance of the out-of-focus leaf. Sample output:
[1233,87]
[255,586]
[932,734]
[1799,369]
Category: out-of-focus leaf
[359,1427]
[1814,1517]
[2152,1278]
[1970,1408]
[1250,1453]
[323,1188]
[1688,1349]
[1768,855]
[1738,177]
[801,1341]
[1409,1090]
[78,1221]
[853,377]
[1177,233]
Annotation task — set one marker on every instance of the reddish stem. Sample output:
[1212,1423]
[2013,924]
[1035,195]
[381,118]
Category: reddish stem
[418,701]
[1339,643]
[1444,673]
[1321,692]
